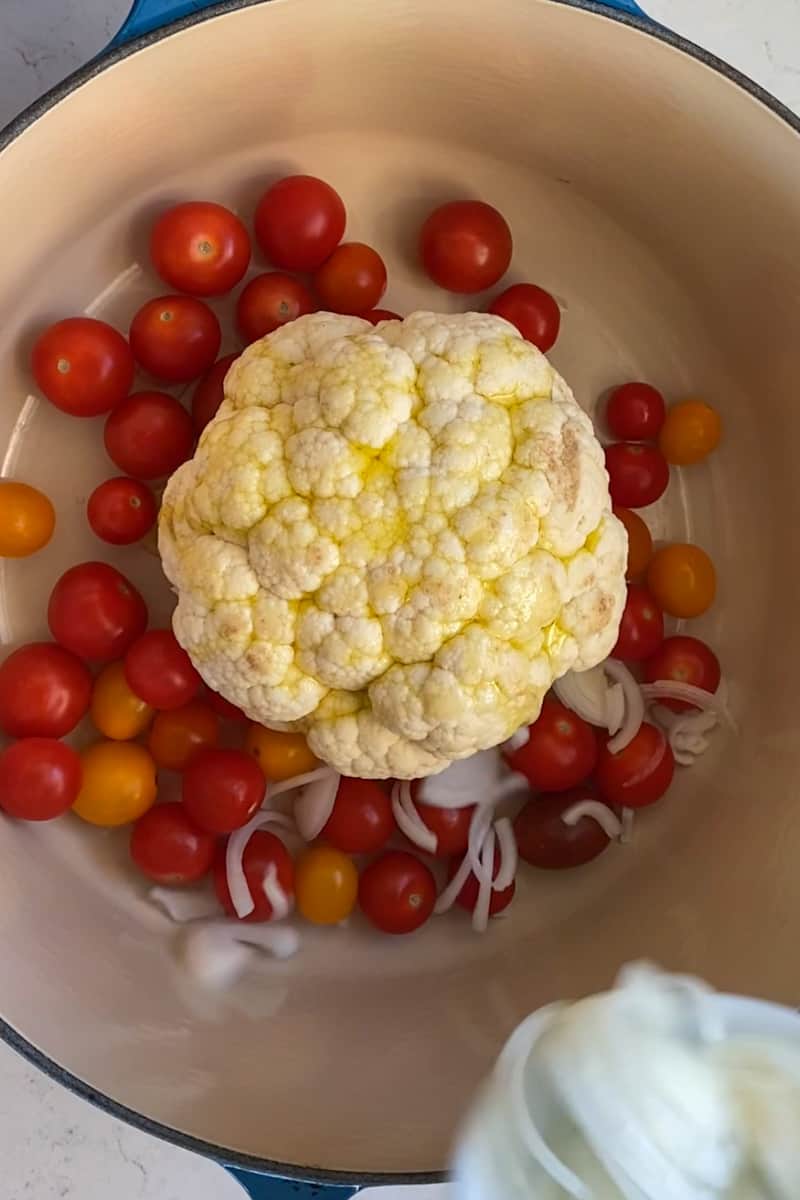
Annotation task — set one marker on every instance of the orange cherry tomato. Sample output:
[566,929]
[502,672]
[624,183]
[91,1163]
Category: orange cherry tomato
[692,429]
[117,712]
[27,519]
[119,784]
[280,755]
[682,580]
[178,733]
[325,885]
[640,543]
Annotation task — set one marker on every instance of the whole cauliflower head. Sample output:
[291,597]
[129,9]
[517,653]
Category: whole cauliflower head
[394,539]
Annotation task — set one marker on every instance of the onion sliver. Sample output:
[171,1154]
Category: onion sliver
[455,786]
[216,954]
[299,781]
[626,834]
[669,689]
[275,894]
[686,732]
[517,740]
[314,805]
[241,899]
[584,692]
[507,845]
[634,705]
[449,895]
[615,708]
[607,820]
[480,913]
[408,819]
[479,828]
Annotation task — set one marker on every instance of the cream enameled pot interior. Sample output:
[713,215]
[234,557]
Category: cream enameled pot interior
[658,201]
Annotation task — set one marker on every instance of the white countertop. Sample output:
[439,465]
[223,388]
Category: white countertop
[54,1146]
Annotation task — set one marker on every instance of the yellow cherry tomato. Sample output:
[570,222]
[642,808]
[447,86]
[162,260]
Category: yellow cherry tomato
[27,519]
[640,543]
[325,885]
[118,786]
[117,712]
[682,579]
[280,755]
[691,430]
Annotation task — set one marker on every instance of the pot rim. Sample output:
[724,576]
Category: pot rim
[16,127]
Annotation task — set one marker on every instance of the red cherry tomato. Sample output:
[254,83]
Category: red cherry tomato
[468,896]
[641,629]
[465,246]
[560,752]
[638,475]
[44,691]
[175,338]
[208,393]
[160,671]
[640,774]
[545,840]
[263,850]
[39,779]
[83,366]
[121,511]
[361,821]
[397,892]
[168,847]
[684,660]
[534,312]
[222,707]
[200,248]
[352,280]
[451,825]
[635,412]
[96,612]
[222,789]
[299,222]
[179,733]
[376,315]
[149,435]
[270,301]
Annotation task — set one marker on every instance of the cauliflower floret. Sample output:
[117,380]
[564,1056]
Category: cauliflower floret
[394,539]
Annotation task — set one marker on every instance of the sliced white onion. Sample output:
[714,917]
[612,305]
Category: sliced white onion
[686,732]
[241,899]
[479,827]
[314,805]
[456,786]
[275,894]
[608,821]
[480,913]
[615,708]
[507,846]
[299,781]
[669,689]
[449,894]
[517,740]
[634,705]
[183,906]
[408,819]
[512,786]
[626,834]
[584,692]
[216,952]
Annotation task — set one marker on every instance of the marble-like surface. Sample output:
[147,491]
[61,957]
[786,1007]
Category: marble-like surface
[52,1145]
